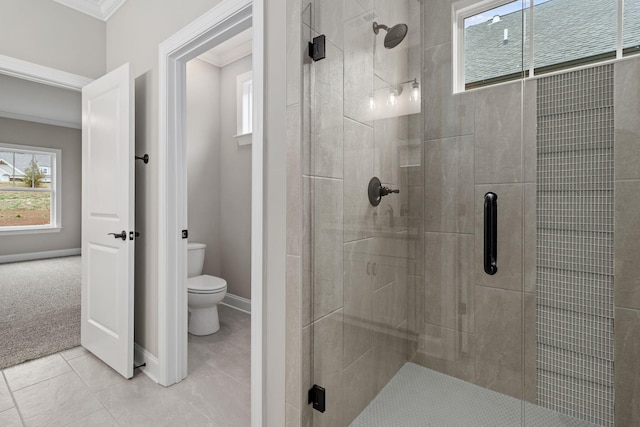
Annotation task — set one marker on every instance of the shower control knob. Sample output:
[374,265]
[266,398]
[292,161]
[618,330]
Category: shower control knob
[385,191]
[376,191]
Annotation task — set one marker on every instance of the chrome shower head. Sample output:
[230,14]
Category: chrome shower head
[394,36]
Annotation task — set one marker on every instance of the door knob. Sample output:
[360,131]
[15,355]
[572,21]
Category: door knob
[122,235]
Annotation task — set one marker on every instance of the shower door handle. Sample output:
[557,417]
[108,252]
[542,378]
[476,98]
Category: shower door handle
[490,233]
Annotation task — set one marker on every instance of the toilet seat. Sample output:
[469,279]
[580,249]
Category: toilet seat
[206,284]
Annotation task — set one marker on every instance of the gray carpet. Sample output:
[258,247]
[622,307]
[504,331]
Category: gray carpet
[39,308]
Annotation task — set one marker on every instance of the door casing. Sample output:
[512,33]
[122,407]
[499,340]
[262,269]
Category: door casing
[222,22]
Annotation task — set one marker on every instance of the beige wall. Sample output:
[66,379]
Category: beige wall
[70,142]
[47,33]
[203,161]
[235,191]
[133,35]
[219,174]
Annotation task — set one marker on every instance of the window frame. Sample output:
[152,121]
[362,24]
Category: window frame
[244,108]
[55,223]
[466,8]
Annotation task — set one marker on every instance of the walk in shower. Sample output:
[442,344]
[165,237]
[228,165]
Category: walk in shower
[468,186]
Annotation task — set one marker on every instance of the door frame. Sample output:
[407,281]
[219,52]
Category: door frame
[223,21]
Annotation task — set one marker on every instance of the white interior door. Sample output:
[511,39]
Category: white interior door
[107,211]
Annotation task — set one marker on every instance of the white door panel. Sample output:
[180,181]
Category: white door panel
[108,207]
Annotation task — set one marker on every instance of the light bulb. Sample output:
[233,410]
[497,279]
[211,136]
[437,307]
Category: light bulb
[393,98]
[415,92]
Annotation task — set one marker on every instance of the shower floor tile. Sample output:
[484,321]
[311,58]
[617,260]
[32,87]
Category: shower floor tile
[419,397]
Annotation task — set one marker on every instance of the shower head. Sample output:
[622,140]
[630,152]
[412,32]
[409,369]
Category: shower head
[394,36]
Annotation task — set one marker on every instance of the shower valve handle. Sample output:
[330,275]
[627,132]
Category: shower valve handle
[376,191]
[384,191]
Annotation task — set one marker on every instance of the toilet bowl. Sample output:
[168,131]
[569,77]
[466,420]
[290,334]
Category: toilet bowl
[204,293]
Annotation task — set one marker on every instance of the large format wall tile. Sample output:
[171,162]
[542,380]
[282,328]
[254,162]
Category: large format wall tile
[449,280]
[530,343]
[498,340]
[447,351]
[358,154]
[390,337]
[327,19]
[415,312]
[627,244]
[294,181]
[498,133]
[291,416]
[326,288]
[327,112]
[448,184]
[627,125]
[358,300]
[509,251]
[327,343]
[360,386]
[437,23]
[293,330]
[530,238]
[386,145]
[529,130]
[627,375]
[358,69]
[445,114]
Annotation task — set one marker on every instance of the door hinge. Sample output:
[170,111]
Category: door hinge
[185,234]
[317,398]
[317,48]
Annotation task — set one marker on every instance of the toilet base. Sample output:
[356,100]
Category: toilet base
[204,321]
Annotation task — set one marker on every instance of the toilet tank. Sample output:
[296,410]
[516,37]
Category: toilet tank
[195,259]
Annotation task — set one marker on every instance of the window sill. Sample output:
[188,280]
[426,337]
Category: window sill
[243,139]
[10,231]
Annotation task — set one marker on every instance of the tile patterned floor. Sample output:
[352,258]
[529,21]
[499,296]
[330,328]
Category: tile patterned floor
[74,388]
[420,397]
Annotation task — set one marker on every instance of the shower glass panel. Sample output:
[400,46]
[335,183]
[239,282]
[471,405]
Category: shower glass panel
[402,326]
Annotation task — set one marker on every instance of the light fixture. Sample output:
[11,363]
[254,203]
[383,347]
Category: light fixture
[393,96]
[396,91]
[415,91]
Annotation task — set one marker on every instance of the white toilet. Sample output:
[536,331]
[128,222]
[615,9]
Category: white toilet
[205,292]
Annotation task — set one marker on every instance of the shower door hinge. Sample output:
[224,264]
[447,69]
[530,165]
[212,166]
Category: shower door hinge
[317,48]
[317,398]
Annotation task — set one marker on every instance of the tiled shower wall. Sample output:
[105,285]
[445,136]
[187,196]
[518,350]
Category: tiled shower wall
[348,262]
[461,323]
[627,242]
[483,328]
[469,324]
[574,285]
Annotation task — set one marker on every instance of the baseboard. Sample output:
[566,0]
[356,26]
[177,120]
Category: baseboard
[152,366]
[239,303]
[38,255]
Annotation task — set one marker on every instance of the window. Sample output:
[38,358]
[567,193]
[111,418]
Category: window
[29,193]
[498,40]
[244,101]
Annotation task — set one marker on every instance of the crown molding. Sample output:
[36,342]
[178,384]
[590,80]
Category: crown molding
[41,74]
[100,9]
